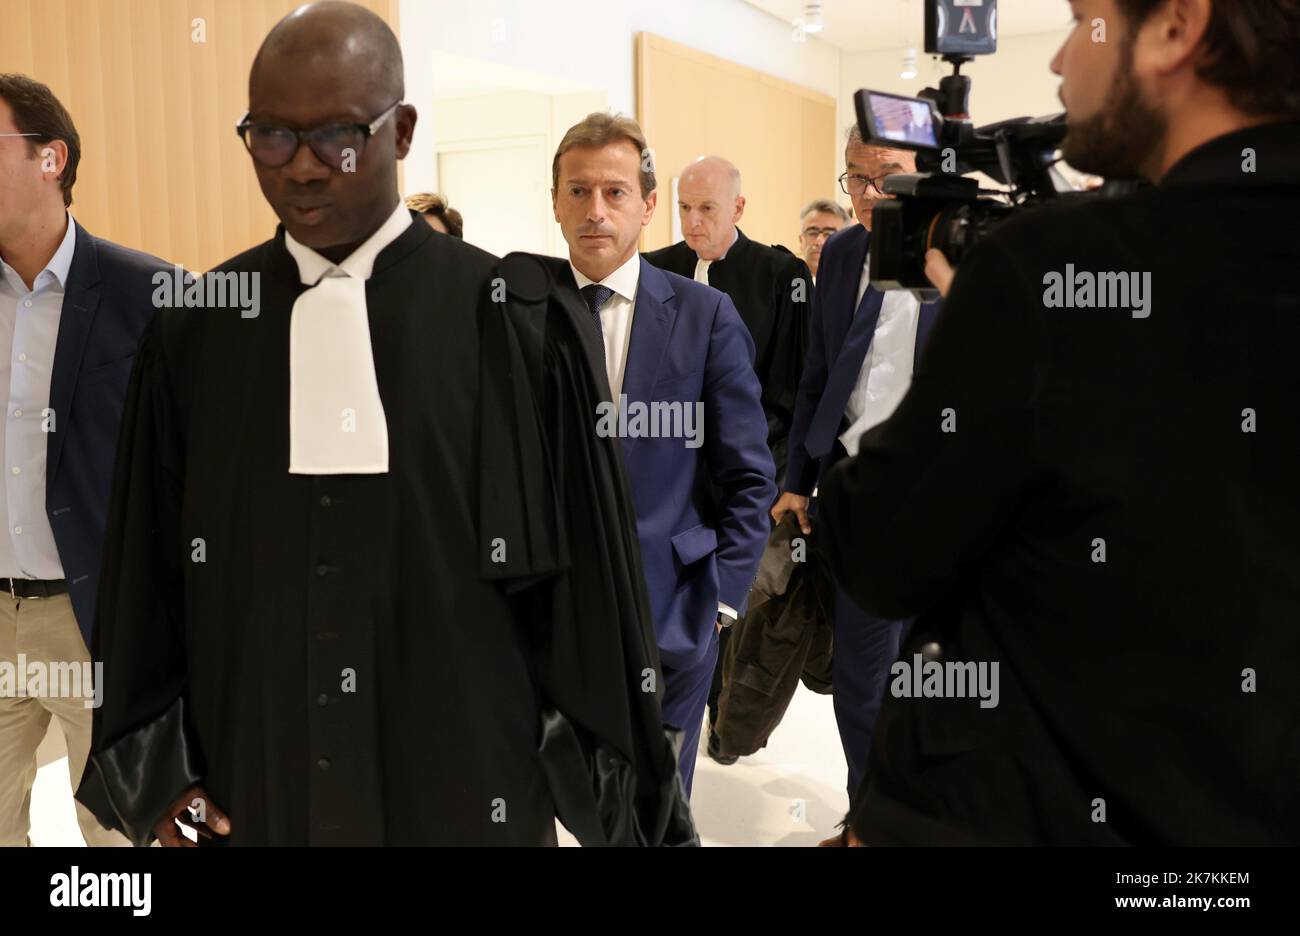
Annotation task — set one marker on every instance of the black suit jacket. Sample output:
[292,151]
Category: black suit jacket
[1110,503]
[106,305]
[772,290]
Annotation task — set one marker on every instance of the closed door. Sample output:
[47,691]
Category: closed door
[503,192]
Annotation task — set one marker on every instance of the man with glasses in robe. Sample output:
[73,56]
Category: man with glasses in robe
[304,638]
[862,345]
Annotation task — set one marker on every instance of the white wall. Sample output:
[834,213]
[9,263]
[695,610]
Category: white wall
[511,211]
[589,44]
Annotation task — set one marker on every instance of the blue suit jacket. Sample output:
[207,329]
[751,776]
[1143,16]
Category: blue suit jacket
[702,513]
[834,303]
[107,302]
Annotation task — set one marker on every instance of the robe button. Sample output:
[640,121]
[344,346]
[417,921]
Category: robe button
[323,763]
[931,651]
[322,570]
[325,501]
[322,700]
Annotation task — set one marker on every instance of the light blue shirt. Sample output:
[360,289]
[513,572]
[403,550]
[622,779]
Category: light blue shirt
[29,330]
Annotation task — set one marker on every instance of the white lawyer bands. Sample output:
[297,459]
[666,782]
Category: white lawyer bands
[660,419]
[1085,290]
[104,889]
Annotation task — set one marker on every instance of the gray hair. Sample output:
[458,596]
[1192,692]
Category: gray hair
[826,205]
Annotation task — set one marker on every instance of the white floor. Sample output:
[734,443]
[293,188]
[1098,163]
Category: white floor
[789,793]
[54,820]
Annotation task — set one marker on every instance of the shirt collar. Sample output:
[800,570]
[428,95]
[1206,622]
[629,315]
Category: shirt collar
[735,236]
[312,267]
[623,280]
[58,266]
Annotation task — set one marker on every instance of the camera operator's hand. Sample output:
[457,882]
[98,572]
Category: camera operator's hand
[939,270]
[790,501]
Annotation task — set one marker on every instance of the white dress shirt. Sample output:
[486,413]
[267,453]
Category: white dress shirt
[29,330]
[332,363]
[887,369]
[616,316]
[616,328]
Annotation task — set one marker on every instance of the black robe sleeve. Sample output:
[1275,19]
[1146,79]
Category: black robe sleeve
[793,287]
[561,489]
[143,753]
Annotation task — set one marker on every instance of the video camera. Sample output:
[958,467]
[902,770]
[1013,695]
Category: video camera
[938,206]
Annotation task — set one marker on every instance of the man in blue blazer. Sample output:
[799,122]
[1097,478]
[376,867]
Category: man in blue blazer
[684,401]
[72,309]
[861,349]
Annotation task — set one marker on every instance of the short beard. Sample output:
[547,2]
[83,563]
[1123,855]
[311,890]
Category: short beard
[1123,140]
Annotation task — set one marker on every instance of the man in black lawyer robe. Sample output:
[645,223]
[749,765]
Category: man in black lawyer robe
[772,290]
[770,286]
[344,625]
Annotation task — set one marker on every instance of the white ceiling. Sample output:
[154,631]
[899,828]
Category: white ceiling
[865,25]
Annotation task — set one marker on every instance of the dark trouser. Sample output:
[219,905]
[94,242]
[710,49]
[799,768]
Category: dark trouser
[685,693]
[865,647]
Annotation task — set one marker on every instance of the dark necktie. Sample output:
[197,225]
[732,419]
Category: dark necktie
[596,296]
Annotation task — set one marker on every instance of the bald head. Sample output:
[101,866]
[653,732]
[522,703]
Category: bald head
[714,173]
[332,67]
[343,36]
[710,205]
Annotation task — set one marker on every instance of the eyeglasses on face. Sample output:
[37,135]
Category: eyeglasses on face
[816,233]
[857,184]
[273,145]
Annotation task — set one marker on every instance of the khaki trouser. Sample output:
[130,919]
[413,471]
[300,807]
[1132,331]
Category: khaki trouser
[45,632]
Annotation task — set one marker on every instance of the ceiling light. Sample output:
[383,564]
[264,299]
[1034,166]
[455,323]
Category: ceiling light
[812,17]
[909,64]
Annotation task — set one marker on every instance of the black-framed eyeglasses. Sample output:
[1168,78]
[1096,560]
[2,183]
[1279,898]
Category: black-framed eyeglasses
[857,184]
[273,145]
[812,233]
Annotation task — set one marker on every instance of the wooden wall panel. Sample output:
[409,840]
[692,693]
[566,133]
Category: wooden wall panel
[161,168]
[780,135]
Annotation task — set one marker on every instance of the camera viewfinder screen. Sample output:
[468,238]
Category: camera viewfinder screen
[904,120]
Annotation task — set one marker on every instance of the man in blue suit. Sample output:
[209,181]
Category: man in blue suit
[684,401]
[861,349]
[72,308]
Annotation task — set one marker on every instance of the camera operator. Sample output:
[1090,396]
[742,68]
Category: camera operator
[862,345]
[1101,483]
